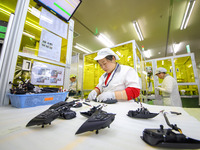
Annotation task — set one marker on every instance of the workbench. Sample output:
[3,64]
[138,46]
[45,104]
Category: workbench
[124,132]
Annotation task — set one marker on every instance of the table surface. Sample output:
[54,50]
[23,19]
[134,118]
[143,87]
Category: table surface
[124,132]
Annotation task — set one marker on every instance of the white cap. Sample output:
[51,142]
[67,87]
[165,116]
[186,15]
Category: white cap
[159,70]
[105,52]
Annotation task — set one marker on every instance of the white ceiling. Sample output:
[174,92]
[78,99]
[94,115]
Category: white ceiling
[155,17]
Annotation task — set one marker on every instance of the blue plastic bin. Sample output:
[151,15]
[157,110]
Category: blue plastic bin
[32,100]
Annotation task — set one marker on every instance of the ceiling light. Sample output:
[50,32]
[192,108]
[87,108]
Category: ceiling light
[105,40]
[147,53]
[187,14]
[176,47]
[82,48]
[138,31]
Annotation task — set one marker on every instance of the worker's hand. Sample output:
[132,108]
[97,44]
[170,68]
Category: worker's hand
[105,95]
[159,88]
[92,95]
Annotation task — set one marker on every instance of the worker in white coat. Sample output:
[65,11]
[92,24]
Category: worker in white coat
[72,85]
[169,88]
[118,82]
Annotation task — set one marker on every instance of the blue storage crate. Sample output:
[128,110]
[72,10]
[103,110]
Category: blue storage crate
[31,100]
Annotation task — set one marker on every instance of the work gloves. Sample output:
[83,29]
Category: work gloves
[160,89]
[167,90]
[92,95]
[105,95]
[102,97]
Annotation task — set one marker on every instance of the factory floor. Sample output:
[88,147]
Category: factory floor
[193,103]
[193,112]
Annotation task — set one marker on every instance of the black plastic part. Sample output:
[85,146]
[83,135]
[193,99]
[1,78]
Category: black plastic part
[68,114]
[169,139]
[77,105]
[44,118]
[173,112]
[99,120]
[90,112]
[58,110]
[57,105]
[142,113]
[22,88]
[110,101]
[49,90]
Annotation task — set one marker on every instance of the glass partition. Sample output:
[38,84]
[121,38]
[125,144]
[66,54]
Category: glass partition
[92,70]
[188,90]
[184,69]
[125,53]
[167,64]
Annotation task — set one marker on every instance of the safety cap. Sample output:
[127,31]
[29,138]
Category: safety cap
[160,69]
[105,52]
[72,75]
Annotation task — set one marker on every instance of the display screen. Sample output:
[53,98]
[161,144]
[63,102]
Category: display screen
[64,9]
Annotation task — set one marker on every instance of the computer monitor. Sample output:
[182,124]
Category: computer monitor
[64,9]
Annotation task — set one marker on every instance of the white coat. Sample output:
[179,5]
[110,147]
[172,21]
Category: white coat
[72,85]
[121,78]
[170,93]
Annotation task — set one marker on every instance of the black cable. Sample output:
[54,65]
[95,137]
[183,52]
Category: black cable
[84,25]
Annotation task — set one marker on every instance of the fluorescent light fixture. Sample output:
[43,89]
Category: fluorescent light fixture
[82,48]
[187,14]
[162,62]
[147,53]
[176,47]
[138,31]
[102,38]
